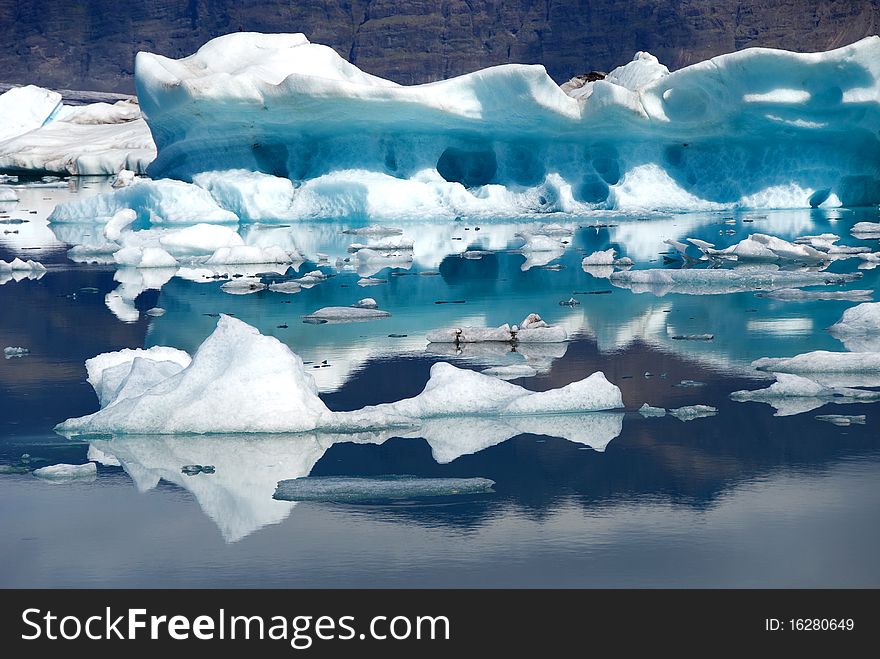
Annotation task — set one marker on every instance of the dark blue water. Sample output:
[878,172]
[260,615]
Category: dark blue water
[740,499]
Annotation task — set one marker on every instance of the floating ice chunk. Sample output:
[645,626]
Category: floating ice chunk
[862,319]
[842,419]
[532,321]
[157,202]
[123,178]
[347,314]
[540,243]
[692,337]
[200,240]
[118,223]
[238,381]
[862,228]
[288,287]
[7,194]
[511,372]
[376,230]
[798,295]
[246,254]
[64,473]
[350,489]
[25,109]
[98,365]
[793,394]
[648,411]
[371,281]
[13,351]
[786,384]
[600,258]
[822,361]
[155,312]
[366,303]
[481,334]
[721,281]
[148,257]
[690,412]
[391,243]
[243,286]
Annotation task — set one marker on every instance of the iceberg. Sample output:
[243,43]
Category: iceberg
[862,319]
[869,229]
[758,127]
[648,411]
[339,489]
[691,412]
[794,394]
[240,381]
[64,473]
[822,361]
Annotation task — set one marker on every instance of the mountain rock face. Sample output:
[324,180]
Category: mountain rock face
[91,44]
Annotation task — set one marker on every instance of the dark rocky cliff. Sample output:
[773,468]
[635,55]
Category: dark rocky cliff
[91,44]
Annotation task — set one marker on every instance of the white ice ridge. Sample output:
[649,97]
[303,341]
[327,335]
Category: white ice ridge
[758,127]
[241,381]
[38,133]
[795,394]
[822,361]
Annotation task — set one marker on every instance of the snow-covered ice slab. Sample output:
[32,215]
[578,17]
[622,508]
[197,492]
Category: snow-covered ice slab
[351,489]
[822,361]
[25,109]
[241,381]
[65,473]
[721,281]
[793,394]
[758,127]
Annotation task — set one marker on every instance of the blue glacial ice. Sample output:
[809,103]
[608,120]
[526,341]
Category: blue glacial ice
[272,127]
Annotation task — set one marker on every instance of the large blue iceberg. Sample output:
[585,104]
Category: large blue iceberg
[756,128]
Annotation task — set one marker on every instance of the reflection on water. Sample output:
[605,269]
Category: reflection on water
[757,495]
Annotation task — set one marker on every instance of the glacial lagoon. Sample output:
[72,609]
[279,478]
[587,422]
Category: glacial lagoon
[747,496]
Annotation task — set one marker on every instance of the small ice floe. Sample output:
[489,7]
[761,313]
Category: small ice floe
[861,319]
[349,488]
[12,352]
[251,254]
[794,394]
[842,419]
[371,281]
[147,257]
[374,230]
[648,411]
[537,242]
[687,384]
[761,247]
[821,361]
[65,473]
[124,178]
[719,281]
[798,295]
[362,310]
[531,330]
[692,337]
[690,412]
[243,286]
[290,287]
[602,264]
[511,372]
[389,244]
[570,302]
[866,229]
[156,312]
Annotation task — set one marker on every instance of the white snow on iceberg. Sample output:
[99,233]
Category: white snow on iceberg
[241,381]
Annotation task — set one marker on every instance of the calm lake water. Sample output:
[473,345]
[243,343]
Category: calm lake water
[740,499]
